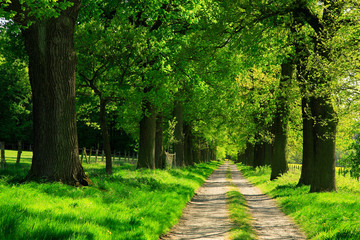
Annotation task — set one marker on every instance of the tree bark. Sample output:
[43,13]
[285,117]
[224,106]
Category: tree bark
[3,161]
[188,145]
[147,138]
[323,179]
[52,62]
[196,150]
[268,149]
[179,135]
[308,143]
[90,153]
[105,136]
[159,148]
[249,154]
[259,152]
[279,164]
[18,157]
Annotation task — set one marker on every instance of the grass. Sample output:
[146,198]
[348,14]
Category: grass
[334,215]
[239,214]
[130,204]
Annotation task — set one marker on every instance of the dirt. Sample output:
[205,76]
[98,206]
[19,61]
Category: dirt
[206,216]
[268,220]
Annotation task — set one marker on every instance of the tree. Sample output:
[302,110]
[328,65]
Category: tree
[279,162]
[52,60]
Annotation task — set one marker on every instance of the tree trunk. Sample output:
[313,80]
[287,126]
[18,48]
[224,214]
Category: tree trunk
[105,136]
[3,161]
[188,145]
[96,154]
[308,143]
[279,164]
[179,135]
[90,153]
[19,152]
[83,155]
[241,157]
[159,148]
[268,149]
[196,150]
[52,63]
[323,179]
[259,159]
[147,138]
[249,154]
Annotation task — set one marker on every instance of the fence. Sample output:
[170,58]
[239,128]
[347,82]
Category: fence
[119,157]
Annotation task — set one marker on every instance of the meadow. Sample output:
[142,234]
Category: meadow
[130,204]
[334,215]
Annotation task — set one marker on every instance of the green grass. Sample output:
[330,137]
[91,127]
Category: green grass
[239,214]
[333,215]
[130,204]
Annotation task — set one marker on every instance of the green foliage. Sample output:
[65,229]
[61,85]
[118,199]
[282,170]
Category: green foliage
[15,92]
[130,204]
[321,215]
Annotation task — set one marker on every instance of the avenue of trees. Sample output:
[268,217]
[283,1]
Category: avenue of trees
[265,82]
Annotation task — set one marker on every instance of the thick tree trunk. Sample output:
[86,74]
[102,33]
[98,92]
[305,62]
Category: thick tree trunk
[179,135]
[188,145]
[160,157]
[279,164]
[308,143]
[52,62]
[3,161]
[18,157]
[323,179]
[105,136]
[147,138]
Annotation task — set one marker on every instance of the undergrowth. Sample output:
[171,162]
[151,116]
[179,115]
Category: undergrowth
[130,204]
[334,215]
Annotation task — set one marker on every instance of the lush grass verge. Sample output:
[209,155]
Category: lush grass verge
[130,204]
[239,214]
[333,215]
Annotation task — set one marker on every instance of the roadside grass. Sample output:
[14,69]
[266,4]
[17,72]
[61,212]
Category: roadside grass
[130,204]
[239,214]
[334,215]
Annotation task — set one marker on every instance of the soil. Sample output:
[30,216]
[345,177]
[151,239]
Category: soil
[206,216]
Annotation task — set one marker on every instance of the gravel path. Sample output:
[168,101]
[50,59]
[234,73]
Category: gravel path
[206,216]
[269,221]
